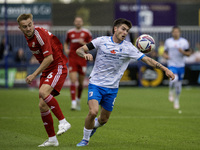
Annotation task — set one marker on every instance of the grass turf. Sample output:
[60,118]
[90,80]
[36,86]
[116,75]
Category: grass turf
[142,119]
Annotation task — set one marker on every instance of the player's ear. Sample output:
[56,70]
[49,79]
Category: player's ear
[115,29]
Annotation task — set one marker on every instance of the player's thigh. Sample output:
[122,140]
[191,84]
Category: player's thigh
[73,76]
[104,115]
[53,81]
[181,73]
[173,69]
[93,106]
[108,100]
[81,79]
[45,90]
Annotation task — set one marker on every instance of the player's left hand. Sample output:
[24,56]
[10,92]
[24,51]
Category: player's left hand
[30,78]
[180,50]
[88,57]
[169,74]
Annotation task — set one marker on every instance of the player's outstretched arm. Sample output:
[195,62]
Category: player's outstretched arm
[82,52]
[151,62]
[45,63]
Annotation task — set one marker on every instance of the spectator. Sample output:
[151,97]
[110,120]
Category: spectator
[195,56]
[2,47]
[33,60]
[160,52]
[20,56]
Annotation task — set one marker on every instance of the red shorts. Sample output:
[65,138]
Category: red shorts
[77,65]
[55,79]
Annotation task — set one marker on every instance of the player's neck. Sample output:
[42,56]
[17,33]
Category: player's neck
[176,38]
[78,29]
[115,39]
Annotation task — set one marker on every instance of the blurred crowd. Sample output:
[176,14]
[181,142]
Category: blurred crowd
[20,56]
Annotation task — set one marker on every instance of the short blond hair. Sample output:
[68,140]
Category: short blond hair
[24,17]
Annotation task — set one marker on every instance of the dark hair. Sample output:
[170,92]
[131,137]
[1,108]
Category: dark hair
[176,27]
[121,21]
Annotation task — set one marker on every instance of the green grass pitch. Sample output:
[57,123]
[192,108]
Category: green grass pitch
[142,119]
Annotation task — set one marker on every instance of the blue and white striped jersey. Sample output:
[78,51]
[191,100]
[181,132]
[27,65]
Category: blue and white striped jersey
[112,59]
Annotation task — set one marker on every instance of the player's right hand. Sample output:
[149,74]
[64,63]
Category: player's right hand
[88,57]
[30,78]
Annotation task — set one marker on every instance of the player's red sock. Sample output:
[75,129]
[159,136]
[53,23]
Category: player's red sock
[80,89]
[48,123]
[55,108]
[73,91]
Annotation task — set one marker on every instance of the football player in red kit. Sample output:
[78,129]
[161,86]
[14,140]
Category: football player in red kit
[48,51]
[76,38]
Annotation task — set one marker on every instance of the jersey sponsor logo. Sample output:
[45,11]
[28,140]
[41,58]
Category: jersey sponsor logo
[33,44]
[52,107]
[75,40]
[47,80]
[82,34]
[36,52]
[90,94]
[73,35]
[45,52]
[113,52]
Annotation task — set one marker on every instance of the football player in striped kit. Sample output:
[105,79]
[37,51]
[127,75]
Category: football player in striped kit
[48,51]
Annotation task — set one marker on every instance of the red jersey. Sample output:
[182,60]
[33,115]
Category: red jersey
[43,43]
[72,39]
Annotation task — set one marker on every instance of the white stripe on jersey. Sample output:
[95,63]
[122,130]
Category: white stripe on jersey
[57,76]
[39,38]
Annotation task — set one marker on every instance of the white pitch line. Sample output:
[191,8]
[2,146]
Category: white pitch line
[116,117]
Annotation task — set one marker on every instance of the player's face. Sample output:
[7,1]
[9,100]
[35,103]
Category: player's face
[176,33]
[121,32]
[78,22]
[27,27]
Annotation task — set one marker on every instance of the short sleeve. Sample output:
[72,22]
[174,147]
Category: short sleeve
[135,53]
[67,40]
[44,38]
[166,46]
[96,42]
[186,47]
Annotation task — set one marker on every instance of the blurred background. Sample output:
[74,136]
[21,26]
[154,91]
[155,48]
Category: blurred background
[154,17]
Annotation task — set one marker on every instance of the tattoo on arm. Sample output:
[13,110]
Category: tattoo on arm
[158,65]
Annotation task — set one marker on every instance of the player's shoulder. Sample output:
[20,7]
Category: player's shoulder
[103,38]
[183,39]
[71,30]
[169,39]
[86,30]
[40,29]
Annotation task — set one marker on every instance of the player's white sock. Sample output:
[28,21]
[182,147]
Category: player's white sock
[53,138]
[178,86]
[86,134]
[96,123]
[62,121]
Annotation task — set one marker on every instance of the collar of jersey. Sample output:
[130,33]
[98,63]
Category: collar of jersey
[114,42]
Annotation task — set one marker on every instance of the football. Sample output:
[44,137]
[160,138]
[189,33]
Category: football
[145,43]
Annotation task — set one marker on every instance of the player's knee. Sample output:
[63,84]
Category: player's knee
[93,113]
[42,94]
[43,106]
[104,120]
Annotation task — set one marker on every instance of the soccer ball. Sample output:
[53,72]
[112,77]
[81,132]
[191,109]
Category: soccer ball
[145,43]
